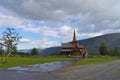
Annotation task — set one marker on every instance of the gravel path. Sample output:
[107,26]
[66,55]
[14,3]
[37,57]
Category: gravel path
[100,71]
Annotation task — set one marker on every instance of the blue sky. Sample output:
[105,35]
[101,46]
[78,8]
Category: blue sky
[47,23]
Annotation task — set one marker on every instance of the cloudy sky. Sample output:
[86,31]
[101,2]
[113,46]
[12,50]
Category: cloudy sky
[46,23]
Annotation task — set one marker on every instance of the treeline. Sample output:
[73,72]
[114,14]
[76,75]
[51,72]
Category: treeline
[34,51]
[103,50]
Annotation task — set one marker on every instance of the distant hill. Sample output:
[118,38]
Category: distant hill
[50,50]
[27,51]
[46,51]
[91,44]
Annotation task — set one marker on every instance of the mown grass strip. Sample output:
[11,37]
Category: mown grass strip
[24,61]
[93,61]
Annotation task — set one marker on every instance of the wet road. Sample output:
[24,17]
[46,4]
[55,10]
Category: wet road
[19,75]
[100,71]
[45,67]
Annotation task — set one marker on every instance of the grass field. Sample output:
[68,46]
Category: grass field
[93,61]
[24,61]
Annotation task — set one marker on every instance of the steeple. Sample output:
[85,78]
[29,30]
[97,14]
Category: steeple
[74,36]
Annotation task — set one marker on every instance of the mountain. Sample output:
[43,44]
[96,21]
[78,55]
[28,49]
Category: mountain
[27,51]
[91,44]
[50,50]
[46,51]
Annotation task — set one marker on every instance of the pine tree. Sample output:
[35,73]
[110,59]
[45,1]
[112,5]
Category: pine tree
[34,51]
[103,49]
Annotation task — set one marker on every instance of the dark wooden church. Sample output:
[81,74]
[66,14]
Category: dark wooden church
[72,48]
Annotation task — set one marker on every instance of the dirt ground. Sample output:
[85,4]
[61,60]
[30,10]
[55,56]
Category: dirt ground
[100,71]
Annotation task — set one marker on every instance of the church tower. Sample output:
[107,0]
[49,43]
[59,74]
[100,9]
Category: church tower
[72,48]
[76,50]
[74,36]
[74,42]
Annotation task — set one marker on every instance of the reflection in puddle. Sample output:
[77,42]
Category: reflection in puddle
[46,67]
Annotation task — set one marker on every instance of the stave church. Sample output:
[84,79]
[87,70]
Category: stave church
[73,48]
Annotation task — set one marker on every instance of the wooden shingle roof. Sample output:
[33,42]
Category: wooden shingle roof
[67,45]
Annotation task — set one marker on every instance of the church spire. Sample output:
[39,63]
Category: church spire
[74,37]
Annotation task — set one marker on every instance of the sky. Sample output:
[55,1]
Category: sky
[48,23]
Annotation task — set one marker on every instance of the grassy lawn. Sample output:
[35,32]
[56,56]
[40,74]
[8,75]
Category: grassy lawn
[93,61]
[24,61]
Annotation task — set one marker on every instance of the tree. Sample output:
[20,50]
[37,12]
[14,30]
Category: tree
[111,52]
[116,51]
[2,52]
[34,51]
[103,49]
[14,50]
[10,41]
[1,48]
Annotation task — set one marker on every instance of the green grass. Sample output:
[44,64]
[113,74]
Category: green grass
[93,61]
[24,61]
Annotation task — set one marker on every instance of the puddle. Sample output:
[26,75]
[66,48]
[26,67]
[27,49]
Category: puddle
[46,67]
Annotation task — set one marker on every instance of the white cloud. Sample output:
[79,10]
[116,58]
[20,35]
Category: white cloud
[89,12]
[25,40]
[10,20]
[32,29]
[49,31]
[95,18]
[17,22]
[42,43]
[45,43]
[66,33]
[65,30]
